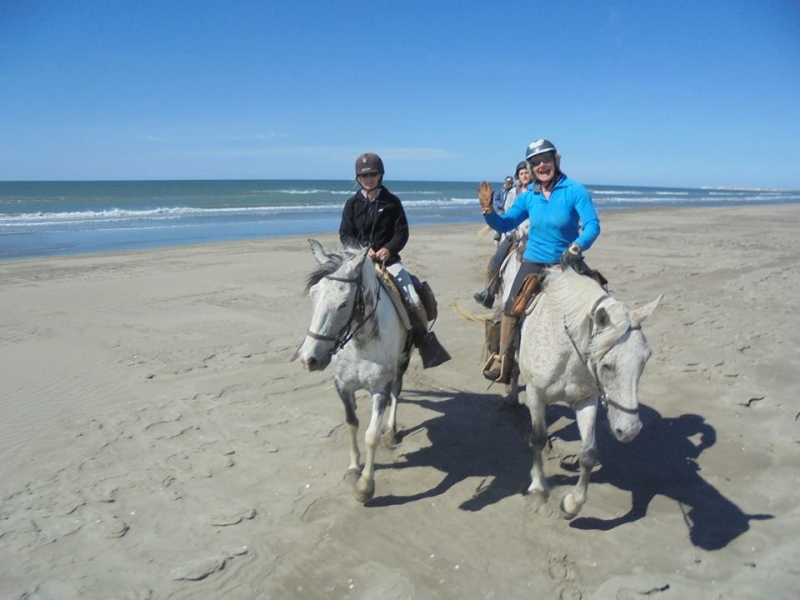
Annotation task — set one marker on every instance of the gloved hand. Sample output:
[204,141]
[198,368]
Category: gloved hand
[485,197]
[571,258]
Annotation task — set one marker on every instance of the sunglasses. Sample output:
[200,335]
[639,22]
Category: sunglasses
[540,160]
[369,175]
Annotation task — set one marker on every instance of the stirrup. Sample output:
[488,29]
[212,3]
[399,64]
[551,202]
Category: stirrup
[489,371]
[502,373]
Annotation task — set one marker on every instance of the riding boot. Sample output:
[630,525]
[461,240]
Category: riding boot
[502,373]
[431,351]
[486,297]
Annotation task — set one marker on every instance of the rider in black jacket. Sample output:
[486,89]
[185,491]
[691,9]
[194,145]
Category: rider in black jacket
[375,218]
[378,223]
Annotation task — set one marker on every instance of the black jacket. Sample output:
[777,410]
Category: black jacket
[378,224]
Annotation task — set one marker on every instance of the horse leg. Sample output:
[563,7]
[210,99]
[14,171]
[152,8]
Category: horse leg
[349,400]
[586,416]
[537,407]
[512,389]
[389,431]
[389,435]
[365,486]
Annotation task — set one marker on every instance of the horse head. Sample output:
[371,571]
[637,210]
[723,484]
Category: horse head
[337,292]
[619,353]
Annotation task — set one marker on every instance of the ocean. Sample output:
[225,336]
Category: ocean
[72,217]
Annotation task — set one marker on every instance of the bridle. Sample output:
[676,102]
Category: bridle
[591,364]
[357,314]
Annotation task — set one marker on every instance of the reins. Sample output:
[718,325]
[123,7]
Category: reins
[591,364]
[346,333]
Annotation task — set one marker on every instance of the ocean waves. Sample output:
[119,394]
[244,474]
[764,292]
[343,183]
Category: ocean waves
[44,218]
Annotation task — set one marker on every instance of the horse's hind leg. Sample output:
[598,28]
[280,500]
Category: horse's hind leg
[365,486]
[538,486]
[389,431]
[586,416]
[349,400]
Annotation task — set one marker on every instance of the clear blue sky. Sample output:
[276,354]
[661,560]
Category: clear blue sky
[677,92]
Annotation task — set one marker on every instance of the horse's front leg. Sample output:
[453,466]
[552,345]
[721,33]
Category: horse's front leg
[365,486]
[537,406]
[586,416]
[348,398]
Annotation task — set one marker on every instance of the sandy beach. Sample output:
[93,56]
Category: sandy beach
[156,442]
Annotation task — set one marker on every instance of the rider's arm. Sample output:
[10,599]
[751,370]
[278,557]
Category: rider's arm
[512,218]
[348,232]
[399,237]
[590,224]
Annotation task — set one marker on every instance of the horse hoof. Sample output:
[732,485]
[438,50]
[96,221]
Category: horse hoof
[538,494]
[365,490]
[352,475]
[569,509]
[389,440]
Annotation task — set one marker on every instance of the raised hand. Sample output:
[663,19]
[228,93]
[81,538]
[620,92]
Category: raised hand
[485,197]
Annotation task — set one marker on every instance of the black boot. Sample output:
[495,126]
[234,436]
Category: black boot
[486,297]
[431,351]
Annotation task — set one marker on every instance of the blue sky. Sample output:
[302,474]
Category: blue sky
[672,93]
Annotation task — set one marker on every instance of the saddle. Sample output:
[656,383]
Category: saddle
[390,286]
[523,304]
[431,351]
[401,305]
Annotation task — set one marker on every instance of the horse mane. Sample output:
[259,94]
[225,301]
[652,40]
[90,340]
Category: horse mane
[574,296]
[334,262]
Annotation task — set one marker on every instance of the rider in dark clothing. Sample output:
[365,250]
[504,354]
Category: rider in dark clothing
[374,218]
[378,224]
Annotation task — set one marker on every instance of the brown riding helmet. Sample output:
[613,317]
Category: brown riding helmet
[369,163]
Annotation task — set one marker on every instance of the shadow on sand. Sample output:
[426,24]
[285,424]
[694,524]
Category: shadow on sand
[474,436]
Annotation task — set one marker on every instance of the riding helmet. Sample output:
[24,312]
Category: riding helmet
[539,147]
[369,163]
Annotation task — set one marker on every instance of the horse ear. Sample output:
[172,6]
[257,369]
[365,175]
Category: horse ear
[640,314]
[318,252]
[601,318]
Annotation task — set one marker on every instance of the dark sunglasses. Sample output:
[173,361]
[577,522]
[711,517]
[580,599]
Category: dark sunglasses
[370,175]
[535,161]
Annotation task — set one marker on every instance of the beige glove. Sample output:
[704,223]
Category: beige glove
[485,197]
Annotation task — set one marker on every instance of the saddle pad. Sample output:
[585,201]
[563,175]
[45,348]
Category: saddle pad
[389,285]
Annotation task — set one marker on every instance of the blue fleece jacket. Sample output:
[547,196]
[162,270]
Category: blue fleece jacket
[568,216]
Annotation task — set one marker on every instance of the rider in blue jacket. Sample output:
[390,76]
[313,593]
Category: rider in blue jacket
[563,223]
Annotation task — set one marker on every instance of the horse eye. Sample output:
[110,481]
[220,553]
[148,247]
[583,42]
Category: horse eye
[608,368]
[342,305]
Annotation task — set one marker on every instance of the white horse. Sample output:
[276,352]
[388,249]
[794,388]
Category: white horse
[578,345]
[356,328]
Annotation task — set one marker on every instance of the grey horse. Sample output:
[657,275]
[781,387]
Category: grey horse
[356,328]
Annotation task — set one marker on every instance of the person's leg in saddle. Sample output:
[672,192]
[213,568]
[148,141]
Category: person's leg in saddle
[486,297]
[499,369]
[430,350]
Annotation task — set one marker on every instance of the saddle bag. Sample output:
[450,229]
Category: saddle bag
[531,286]
[425,294]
